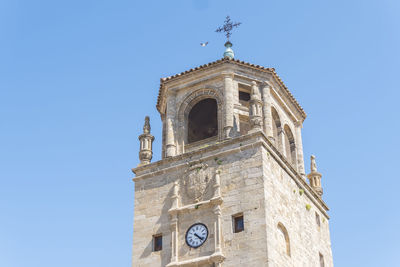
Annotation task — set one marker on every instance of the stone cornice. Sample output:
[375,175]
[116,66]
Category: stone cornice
[197,205]
[283,104]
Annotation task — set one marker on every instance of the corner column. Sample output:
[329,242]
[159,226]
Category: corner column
[228,104]
[299,150]
[266,96]
[171,146]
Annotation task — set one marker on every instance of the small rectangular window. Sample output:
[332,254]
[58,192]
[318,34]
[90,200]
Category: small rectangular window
[321,260]
[157,242]
[317,219]
[244,96]
[238,223]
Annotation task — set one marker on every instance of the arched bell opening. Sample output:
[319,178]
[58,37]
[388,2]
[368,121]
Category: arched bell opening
[290,145]
[276,129]
[202,120]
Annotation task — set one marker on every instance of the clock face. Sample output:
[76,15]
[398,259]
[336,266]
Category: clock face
[196,235]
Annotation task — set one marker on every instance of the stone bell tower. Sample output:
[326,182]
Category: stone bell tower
[231,188]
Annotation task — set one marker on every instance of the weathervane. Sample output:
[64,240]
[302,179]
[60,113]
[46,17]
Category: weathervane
[228,27]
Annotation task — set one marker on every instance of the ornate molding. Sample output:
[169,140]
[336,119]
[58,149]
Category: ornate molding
[197,206]
[194,97]
[214,258]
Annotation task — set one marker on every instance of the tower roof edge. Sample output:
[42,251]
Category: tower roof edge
[165,80]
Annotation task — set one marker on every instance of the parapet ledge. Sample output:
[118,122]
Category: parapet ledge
[226,147]
[163,164]
[217,257]
[199,205]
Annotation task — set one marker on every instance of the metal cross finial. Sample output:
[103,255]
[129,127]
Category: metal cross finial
[228,27]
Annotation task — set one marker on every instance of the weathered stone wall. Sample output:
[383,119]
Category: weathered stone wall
[242,190]
[151,217]
[290,205]
[255,182]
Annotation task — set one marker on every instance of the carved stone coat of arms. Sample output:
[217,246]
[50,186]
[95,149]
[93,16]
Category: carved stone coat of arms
[196,181]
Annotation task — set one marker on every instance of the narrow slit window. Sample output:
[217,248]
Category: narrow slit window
[238,223]
[321,260]
[317,219]
[157,242]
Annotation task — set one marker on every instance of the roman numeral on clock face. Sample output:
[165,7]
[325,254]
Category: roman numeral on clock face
[196,235]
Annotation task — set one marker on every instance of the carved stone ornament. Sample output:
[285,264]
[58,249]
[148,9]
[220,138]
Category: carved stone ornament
[196,180]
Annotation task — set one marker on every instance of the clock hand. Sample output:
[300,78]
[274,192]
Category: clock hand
[198,236]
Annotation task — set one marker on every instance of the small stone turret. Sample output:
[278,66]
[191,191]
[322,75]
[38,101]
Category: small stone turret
[146,143]
[315,177]
[255,108]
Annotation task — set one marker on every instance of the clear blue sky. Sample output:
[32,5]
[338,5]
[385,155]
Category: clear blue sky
[78,77]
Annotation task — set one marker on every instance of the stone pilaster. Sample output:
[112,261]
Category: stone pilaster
[266,97]
[217,212]
[171,146]
[280,142]
[299,150]
[146,144]
[228,104]
[255,109]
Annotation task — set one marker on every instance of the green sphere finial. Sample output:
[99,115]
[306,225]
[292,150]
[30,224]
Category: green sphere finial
[228,51]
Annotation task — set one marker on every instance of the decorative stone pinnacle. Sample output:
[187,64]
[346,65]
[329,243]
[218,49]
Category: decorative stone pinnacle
[217,184]
[313,164]
[146,143]
[176,189]
[315,177]
[175,195]
[255,91]
[146,127]
[255,109]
